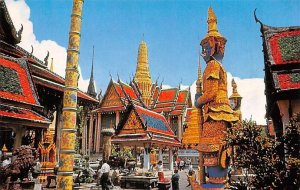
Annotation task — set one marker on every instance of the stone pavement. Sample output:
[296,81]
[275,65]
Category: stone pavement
[168,174]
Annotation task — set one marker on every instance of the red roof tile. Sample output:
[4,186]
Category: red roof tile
[22,113]
[181,99]
[119,89]
[167,95]
[176,112]
[16,83]
[129,91]
[163,105]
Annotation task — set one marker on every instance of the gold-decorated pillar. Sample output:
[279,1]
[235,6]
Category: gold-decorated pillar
[68,131]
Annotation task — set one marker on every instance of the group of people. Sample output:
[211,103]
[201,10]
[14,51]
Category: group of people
[103,175]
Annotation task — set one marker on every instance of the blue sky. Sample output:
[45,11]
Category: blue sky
[172,31]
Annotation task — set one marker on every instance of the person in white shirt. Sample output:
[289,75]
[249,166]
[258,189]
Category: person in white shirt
[105,168]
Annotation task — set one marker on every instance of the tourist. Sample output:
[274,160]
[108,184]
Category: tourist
[181,165]
[160,171]
[175,180]
[190,169]
[105,168]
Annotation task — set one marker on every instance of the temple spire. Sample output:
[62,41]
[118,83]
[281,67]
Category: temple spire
[199,79]
[51,66]
[142,74]
[91,88]
[212,24]
[235,93]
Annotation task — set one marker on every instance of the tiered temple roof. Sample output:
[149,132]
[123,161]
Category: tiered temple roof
[17,94]
[281,46]
[191,135]
[141,125]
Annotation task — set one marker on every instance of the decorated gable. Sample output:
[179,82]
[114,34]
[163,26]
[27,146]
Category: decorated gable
[112,98]
[283,44]
[132,125]
[15,81]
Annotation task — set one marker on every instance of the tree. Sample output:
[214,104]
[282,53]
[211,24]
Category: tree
[260,158]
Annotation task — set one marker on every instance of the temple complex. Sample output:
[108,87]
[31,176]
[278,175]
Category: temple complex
[140,92]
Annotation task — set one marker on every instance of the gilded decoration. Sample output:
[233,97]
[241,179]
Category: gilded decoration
[70,98]
[71,78]
[133,123]
[191,133]
[142,74]
[112,99]
[72,60]
[64,182]
[66,162]
[69,118]
[214,103]
[68,140]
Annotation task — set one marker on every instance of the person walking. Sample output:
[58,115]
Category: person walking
[105,168]
[175,180]
[160,171]
[181,165]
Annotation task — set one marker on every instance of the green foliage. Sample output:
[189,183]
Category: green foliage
[273,164]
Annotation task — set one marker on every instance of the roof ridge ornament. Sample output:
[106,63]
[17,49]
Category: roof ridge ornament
[256,19]
[46,59]
[19,33]
[30,55]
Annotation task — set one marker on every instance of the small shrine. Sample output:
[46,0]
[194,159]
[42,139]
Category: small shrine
[47,151]
[141,127]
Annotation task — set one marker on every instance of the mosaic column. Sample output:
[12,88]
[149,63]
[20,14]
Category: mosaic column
[68,131]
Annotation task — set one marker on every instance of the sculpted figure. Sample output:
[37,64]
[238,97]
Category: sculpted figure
[214,102]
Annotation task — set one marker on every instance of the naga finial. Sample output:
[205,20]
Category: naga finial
[256,19]
[30,55]
[19,33]
[118,77]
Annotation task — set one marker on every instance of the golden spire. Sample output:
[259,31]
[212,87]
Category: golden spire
[142,74]
[51,66]
[199,79]
[235,93]
[4,149]
[212,24]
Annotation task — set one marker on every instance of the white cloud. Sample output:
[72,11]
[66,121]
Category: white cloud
[20,14]
[252,91]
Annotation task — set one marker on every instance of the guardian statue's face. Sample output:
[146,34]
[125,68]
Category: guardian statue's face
[206,52]
[213,48]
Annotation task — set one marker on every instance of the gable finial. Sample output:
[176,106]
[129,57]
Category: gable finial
[46,58]
[30,55]
[256,19]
